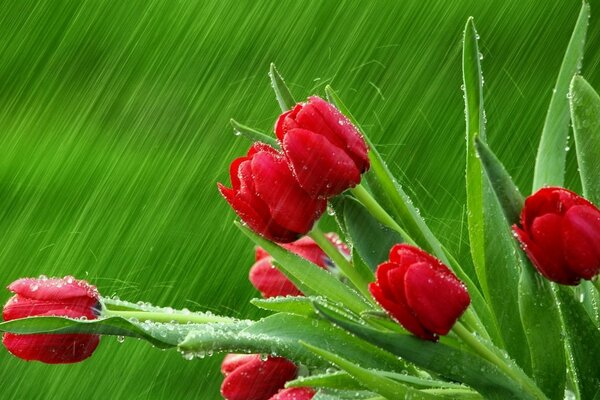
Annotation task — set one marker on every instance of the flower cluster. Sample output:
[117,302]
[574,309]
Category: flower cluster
[280,194]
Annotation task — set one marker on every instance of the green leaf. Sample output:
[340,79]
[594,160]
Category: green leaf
[583,338]
[162,335]
[552,151]
[307,274]
[252,134]
[333,394]
[370,379]
[280,334]
[335,380]
[585,113]
[475,123]
[284,96]
[451,363]
[506,191]
[299,305]
[371,240]
[539,312]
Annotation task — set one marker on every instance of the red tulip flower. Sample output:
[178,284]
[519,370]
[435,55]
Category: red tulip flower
[560,232]
[266,196]
[271,282]
[248,377]
[66,297]
[420,292]
[326,152]
[295,394]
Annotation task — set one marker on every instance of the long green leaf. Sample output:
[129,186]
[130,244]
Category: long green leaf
[370,379]
[309,275]
[552,151]
[162,335]
[582,338]
[282,92]
[585,113]
[539,312]
[452,363]
[280,334]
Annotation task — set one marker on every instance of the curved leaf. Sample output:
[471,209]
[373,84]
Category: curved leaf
[284,96]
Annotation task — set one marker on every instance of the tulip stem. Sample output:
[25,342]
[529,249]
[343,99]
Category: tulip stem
[378,212]
[341,262]
[596,283]
[485,352]
[157,316]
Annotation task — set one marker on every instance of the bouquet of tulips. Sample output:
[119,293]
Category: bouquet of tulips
[380,309]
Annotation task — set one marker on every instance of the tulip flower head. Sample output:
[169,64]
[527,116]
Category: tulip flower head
[266,196]
[560,233]
[249,377]
[298,393]
[326,152]
[420,292]
[271,282]
[66,297]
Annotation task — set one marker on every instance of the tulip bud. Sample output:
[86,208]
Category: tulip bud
[298,393]
[420,292]
[560,233]
[266,196]
[271,282]
[66,297]
[326,152]
[248,377]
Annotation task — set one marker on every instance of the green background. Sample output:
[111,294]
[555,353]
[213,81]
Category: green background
[114,131]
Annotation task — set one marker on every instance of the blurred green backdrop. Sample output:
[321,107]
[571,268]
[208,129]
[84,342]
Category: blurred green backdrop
[114,131]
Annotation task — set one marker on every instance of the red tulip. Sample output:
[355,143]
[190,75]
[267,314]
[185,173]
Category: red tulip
[66,297]
[560,232]
[248,377]
[271,282]
[420,292]
[266,196]
[295,394]
[326,152]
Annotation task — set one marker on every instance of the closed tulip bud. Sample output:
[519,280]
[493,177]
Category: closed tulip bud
[266,196]
[66,297]
[248,377]
[298,393]
[271,282]
[326,152]
[560,233]
[420,292]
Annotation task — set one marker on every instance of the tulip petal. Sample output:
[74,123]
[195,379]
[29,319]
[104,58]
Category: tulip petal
[306,248]
[289,205]
[438,299]
[322,169]
[400,313]
[270,281]
[294,394]
[53,288]
[581,237]
[234,361]
[22,307]
[257,379]
[549,200]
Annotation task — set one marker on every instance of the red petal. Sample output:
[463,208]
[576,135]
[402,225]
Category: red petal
[53,288]
[295,394]
[549,200]
[437,298]
[260,253]
[322,169]
[581,237]
[270,281]
[257,379]
[306,248]
[22,307]
[234,361]
[290,206]
[545,265]
[400,313]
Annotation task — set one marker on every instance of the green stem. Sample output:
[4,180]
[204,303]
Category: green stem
[341,262]
[155,316]
[378,212]
[473,322]
[480,348]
